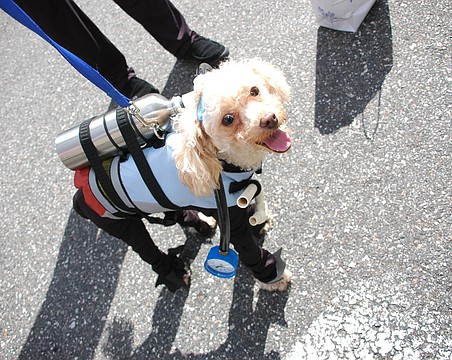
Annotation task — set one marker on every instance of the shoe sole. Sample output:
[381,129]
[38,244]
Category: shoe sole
[214,62]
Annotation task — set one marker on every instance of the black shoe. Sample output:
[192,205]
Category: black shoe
[134,89]
[204,50]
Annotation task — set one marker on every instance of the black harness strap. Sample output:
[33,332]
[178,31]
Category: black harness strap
[223,218]
[135,150]
[120,151]
[101,175]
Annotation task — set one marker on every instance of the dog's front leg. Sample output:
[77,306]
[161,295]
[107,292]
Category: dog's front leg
[170,268]
[269,269]
[283,276]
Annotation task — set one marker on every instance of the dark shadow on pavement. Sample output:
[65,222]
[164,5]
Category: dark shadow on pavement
[351,68]
[180,80]
[72,318]
[248,328]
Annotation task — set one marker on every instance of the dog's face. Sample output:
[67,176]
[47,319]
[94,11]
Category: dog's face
[242,110]
[240,119]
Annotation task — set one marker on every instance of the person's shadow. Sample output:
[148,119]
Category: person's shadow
[73,316]
[350,71]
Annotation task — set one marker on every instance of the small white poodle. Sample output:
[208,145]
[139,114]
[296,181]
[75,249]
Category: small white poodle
[236,118]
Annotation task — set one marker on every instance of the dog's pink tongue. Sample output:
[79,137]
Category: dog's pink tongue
[279,141]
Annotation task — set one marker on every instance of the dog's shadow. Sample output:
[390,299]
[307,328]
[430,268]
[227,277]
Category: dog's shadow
[74,314]
[248,327]
[350,71]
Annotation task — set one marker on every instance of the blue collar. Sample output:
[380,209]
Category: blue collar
[200,110]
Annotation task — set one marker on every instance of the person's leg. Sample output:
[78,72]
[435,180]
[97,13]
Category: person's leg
[168,26]
[133,232]
[67,25]
[162,20]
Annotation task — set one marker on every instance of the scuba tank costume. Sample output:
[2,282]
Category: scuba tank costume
[91,202]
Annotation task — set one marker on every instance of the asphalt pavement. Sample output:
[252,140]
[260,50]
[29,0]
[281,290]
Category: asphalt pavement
[362,203]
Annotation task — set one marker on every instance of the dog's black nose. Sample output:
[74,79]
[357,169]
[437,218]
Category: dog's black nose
[269,121]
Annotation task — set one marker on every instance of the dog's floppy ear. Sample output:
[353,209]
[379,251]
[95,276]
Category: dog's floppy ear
[196,157]
[273,76]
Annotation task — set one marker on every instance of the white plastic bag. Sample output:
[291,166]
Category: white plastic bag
[345,15]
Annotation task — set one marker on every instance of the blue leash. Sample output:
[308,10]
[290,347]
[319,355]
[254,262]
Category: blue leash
[11,8]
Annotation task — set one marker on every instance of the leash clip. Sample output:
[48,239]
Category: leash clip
[134,110]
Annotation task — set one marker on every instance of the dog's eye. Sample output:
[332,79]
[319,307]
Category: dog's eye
[254,91]
[228,119]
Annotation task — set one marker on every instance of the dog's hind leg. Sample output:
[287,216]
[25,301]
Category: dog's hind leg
[170,268]
[172,271]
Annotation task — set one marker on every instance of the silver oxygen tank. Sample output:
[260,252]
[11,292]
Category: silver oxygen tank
[148,115]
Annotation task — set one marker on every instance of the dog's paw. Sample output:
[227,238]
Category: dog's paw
[268,225]
[197,222]
[172,270]
[280,285]
[187,278]
[209,224]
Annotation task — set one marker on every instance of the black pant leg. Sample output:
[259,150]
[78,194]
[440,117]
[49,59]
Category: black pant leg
[132,231]
[71,28]
[259,260]
[163,21]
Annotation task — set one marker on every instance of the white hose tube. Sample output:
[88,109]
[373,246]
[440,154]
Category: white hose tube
[248,194]
[261,212]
